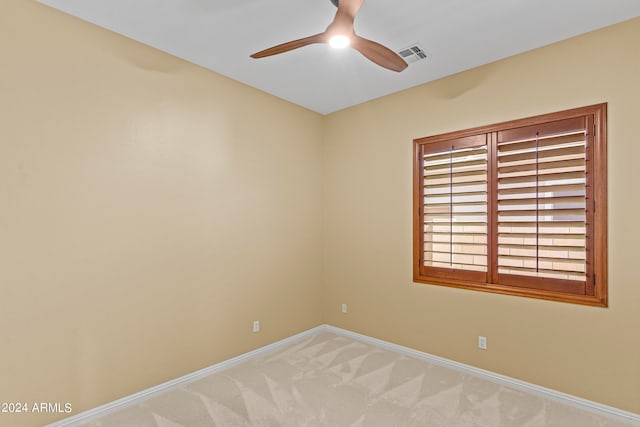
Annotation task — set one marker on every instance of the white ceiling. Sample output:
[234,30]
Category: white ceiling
[456,34]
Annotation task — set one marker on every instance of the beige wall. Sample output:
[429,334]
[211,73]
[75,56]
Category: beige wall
[586,351]
[149,211]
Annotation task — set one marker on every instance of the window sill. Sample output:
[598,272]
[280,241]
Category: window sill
[595,301]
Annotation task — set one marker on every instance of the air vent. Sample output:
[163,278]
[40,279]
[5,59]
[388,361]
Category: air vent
[413,53]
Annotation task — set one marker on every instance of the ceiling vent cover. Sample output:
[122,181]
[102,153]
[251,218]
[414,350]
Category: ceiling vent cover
[413,53]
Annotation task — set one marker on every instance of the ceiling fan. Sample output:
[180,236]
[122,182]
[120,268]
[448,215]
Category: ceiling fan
[340,34]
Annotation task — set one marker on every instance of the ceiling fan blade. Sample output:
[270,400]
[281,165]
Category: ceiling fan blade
[295,44]
[379,54]
[350,7]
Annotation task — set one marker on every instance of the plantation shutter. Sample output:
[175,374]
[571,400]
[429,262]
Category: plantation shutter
[543,195]
[516,208]
[454,208]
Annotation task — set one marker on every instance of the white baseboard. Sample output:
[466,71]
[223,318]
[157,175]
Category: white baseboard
[568,399]
[587,405]
[116,405]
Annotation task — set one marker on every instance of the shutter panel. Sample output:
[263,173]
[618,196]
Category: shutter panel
[542,196]
[455,216]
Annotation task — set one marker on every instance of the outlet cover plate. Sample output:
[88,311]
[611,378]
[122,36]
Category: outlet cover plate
[482,342]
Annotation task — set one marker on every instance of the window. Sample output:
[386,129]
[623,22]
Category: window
[516,208]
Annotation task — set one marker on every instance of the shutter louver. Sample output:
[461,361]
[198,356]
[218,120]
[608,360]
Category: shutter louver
[542,198]
[455,211]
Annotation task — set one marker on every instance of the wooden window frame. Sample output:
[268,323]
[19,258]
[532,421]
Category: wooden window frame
[596,292]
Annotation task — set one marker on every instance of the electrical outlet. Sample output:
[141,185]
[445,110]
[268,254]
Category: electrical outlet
[256,326]
[344,308]
[482,342]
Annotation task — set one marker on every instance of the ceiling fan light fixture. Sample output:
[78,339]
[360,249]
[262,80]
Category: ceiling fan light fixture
[339,42]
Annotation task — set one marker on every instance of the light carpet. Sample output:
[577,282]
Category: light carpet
[331,380]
